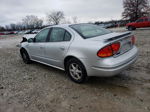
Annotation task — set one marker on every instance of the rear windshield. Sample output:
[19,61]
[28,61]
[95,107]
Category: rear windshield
[89,30]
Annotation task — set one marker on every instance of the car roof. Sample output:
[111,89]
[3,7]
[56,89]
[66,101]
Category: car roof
[60,25]
[64,25]
[144,17]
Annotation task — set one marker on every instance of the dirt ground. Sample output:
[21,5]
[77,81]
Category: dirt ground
[39,88]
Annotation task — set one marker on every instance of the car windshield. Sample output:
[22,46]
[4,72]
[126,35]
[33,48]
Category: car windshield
[89,30]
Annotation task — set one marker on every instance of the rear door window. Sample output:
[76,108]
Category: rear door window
[59,35]
[67,36]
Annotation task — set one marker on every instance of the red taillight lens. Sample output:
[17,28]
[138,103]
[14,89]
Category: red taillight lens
[133,39]
[109,50]
[115,47]
[105,52]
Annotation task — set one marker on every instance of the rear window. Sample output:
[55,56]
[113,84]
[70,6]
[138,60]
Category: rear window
[89,30]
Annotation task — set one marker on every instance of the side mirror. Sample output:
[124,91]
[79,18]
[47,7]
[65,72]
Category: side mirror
[31,40]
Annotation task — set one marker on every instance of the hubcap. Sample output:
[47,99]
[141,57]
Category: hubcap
[75,71]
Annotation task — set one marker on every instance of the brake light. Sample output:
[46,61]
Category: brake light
[133,39]
[109,50]
[115,47]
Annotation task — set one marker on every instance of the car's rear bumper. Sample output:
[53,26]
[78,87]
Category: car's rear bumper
[111,71]
[112,66]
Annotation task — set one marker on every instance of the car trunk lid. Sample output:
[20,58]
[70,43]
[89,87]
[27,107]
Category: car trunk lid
[125,40]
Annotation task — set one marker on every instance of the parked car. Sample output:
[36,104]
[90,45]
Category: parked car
[35,31]
[102,25]
[23,32]
[140,23]
[16,32]
[28,32]
[82,50]
[6,33]
[2,33]
[109,25]
[11,32]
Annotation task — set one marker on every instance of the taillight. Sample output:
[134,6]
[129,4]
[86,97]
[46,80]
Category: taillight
[109,50]
[115,47]
[133,39]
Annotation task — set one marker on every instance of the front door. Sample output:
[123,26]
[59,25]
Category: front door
[37,48]
[59,42]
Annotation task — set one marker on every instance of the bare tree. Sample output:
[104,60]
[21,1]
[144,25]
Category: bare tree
[31,21]
[75,19]
[2,28]
[66,21]
[19,26]
[133,9]
[55,17]
[7,27]
[13,26]
[148,9]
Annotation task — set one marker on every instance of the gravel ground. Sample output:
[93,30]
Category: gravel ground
[39,88]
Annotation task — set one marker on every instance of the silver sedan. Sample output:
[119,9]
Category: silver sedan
[82,50]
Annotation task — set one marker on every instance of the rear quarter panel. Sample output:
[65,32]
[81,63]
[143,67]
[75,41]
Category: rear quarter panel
[85,49]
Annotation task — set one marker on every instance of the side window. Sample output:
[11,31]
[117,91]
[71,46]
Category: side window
[41,37]
[140,20]
[57,35]
[67,36]
[148,19]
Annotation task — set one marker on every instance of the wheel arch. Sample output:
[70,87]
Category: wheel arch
[134,27]
[130,26]
[70,57]
[24,49]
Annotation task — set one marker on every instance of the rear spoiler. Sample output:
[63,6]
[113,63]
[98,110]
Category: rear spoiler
[124,35]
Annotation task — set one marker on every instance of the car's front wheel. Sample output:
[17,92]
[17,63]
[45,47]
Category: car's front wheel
[25,56]
[76,71]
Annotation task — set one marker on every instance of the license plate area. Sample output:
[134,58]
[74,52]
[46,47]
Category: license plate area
[126,45]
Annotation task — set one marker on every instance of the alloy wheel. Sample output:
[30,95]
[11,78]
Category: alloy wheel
[75,71]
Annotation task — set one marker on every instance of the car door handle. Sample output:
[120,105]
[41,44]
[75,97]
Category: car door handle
[62,48]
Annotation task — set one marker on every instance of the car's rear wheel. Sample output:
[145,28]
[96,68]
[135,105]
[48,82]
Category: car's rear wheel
[76,71]
[25,56]
[130,28]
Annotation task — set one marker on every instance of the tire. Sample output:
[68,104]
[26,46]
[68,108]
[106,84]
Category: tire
[76,71]
[25,56]
[130,28]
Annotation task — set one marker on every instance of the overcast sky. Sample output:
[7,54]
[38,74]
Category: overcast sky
[12,11]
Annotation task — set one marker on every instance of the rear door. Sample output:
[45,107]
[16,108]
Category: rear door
[140,23]
[57,45]
[148,23]
[37,48]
